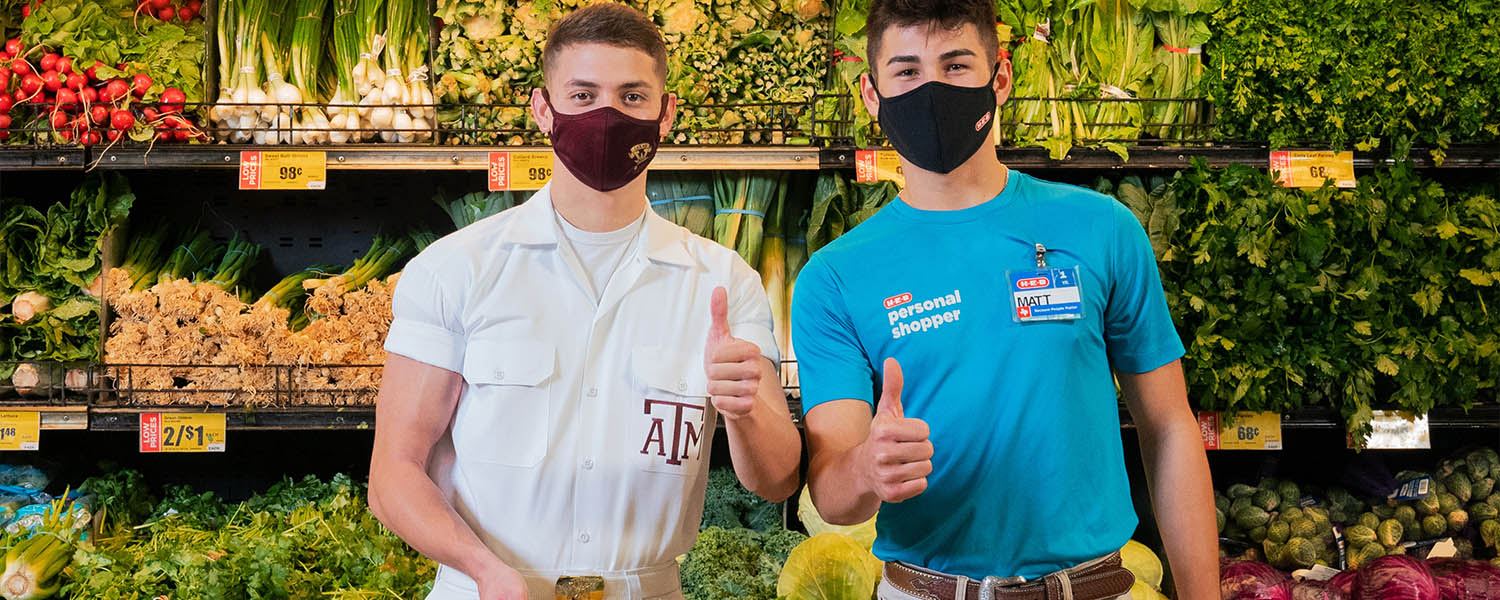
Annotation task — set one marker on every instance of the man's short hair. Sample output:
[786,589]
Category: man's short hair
[607,23]
[950,15]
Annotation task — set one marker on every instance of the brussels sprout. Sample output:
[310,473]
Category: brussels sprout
[1460,485]
[1221,502]
[1369,520]
[1433,526]
[1240,490]
[1389,533]
[1448,503]
[1239,504]
[1317,514]
[1479,464]
[1278,531]
[1384,511]
[1267,500]
[1258,534]
[1292,514]
[1489,532]
[1252,517]
[1483,511]
[1406,514]
[1275,552]
[1457,520]
[1428,505]
[1482,488]
[1219,518]
[1290,494]
[1359,535]
[1301,552]
[1304,528]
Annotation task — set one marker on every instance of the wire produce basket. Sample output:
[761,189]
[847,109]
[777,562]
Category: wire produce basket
[239,386]
[46,382]
[743,123]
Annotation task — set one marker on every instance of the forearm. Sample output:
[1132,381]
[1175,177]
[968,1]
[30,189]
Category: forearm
[765,446]
[410,504]
[843,496]
[1182,497]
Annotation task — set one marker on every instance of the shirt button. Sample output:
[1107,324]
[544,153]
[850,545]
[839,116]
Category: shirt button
[588,464]
[593,392]
[583,537]
[499,374]
[682,385]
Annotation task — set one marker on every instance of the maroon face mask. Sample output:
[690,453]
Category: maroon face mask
[605,148]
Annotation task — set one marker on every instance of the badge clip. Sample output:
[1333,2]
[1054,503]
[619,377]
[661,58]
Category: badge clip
[1041,256]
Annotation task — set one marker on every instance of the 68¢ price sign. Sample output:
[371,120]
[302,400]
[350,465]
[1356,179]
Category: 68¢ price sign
[182,432]
[1246,431]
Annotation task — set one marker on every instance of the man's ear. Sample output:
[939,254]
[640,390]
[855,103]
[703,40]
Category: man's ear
[670,118]
[1004,82]
[540,111]
[870,96]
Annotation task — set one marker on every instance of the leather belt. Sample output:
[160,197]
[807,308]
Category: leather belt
[1102,579]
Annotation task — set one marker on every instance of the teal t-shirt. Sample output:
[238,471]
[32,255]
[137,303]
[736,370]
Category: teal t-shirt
[1028,472]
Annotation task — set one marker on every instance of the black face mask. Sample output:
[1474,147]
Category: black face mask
[939,126]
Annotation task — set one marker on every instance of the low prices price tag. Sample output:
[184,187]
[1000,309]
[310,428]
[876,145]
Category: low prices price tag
[283,170]
[871,166]
[1304,169]
[182,432]
[519,170]
[20,430]
[1246,431]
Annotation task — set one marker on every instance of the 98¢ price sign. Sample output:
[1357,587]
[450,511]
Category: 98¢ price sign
[283,170]
[1246,431]
[519,170]
[182,432]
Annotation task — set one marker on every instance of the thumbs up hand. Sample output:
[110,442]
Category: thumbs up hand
[734,366]
[897,454]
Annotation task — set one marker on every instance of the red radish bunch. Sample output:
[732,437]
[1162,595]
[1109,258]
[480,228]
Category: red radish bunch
[169,11]
[83,107]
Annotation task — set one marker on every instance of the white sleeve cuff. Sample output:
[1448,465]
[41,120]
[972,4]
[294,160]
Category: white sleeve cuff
[426,343]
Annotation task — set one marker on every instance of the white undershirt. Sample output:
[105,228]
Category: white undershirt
[600,254]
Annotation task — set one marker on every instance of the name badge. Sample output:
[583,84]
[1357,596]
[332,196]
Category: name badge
[1046,294]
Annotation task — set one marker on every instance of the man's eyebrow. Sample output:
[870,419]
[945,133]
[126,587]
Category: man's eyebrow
[635,85]
[904,58]
[582,84]
[952,54]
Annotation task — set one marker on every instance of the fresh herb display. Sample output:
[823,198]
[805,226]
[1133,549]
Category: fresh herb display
[1371,297]
[1384,74]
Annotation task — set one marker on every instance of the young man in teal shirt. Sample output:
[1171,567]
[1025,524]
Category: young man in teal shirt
[1012,304]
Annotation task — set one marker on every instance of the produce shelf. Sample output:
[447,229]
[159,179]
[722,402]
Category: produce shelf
[1153,157]
[1478,418]
[116,418]
[395,157]
[28,158]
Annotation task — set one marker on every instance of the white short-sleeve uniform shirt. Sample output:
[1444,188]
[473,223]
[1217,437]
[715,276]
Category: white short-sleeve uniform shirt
[582,437]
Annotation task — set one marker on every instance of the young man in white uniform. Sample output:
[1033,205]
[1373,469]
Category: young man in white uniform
[556,371]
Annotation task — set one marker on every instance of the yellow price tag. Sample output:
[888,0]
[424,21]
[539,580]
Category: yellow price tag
[1246,431]
[1310,169]
[20,430]
[260,170]
[182,432]
[871,166]
[519,170]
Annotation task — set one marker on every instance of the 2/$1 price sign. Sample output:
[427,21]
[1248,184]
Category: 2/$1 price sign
[182,432]
[261,170]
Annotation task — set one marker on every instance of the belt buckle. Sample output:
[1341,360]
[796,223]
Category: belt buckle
[988,586]
[587,587]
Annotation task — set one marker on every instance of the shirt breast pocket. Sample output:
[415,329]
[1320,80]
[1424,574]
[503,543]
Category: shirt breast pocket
[675,427]
[504,417]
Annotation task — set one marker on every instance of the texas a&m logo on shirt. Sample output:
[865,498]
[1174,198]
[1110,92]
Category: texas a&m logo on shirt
[684,421]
